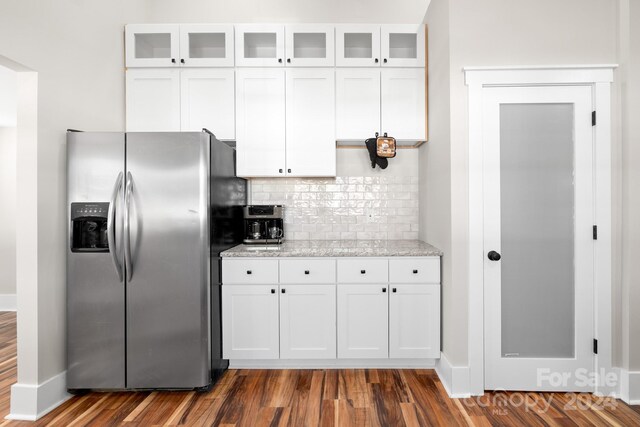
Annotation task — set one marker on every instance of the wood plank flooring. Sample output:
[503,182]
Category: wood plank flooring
[349,397]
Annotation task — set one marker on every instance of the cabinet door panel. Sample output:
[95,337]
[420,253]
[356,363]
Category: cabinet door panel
[358,46]
[259,45]
[357,103]
[152,45]
[206,45]
[307,321]
[250,322]
[311,138]
[402,45]
[403,103]
[414,321]
[153,100]
[309,45]
[363,321]
[260,122]
[208,101]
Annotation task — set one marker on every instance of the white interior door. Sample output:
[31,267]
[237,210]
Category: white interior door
[538,241]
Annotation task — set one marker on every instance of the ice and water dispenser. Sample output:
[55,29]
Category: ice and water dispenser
[89,227]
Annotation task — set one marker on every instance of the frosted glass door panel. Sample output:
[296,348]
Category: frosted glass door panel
[537,230]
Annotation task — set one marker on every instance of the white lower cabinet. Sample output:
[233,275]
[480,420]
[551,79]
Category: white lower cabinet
[363,322]
[331,308]
[307,321]
[414,321]
[250,322]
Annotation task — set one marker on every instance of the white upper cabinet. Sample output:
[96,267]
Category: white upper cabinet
[206,45]
[208,101]
[152,45]
[309,45]
[403,103]
[260,122]
[358,45]
[259,45]
[310,123]
[153,100]
[402,45]
[357,103]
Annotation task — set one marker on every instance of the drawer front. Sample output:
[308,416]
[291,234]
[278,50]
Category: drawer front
[414,270]
[317,271]
[249,271]
[363,270]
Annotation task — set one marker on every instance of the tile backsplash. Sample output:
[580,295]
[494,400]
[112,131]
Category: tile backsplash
[346,207]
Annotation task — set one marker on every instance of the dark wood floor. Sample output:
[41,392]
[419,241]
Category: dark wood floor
[350,397]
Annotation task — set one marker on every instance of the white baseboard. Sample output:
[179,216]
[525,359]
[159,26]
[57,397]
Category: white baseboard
[8,302]
[332,364]
[455,379]
[30,402]
[630,386]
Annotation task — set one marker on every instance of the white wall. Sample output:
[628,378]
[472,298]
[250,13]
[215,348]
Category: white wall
[8,210]
[435,175]
[76,46]
[504,33]
[7,181]
[629,76]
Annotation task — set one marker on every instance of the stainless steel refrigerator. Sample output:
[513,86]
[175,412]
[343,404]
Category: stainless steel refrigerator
[149,214]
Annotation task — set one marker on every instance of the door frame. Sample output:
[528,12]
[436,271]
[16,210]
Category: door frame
[599,79]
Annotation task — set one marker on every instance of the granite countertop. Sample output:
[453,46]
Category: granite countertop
[336,248]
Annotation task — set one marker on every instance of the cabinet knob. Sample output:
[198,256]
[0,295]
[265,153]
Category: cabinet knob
[283,291]
[182,60]
[363,271]
[415,271]
[280,60]
[376,60]
[289,60]
[394,290]
[384,289]
[279,170]
[173,60]
[273,291]
[248,271]
[306,272]
[288,170]
[384,60]
[494,256]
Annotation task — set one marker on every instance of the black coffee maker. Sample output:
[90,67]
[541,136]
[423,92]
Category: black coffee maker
[263,224]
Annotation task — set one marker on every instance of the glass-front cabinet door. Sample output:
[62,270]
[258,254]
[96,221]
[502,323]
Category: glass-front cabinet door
[205,45]
[152,45]
[402,45]
[310,45]
[358,45]
[259,45]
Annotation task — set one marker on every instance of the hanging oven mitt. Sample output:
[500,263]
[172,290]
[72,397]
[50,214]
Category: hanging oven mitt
[386,146]
[372,145]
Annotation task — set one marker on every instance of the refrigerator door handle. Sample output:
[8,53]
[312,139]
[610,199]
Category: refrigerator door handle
[127,227]
[111,233]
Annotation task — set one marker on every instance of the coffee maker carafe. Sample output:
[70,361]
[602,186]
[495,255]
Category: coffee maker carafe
[264,224]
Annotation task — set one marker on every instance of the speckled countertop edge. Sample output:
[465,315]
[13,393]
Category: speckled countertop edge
[336,248]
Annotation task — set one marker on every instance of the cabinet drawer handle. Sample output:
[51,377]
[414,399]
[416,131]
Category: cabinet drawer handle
[384,289]
[415,271]
[394,290]
[283,291]
[249,271]
[363,271]
[306,272]
[273,291]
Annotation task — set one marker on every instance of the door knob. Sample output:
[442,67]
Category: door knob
[494,256]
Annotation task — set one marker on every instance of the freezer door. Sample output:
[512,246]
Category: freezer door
[95,294]
[167,254]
